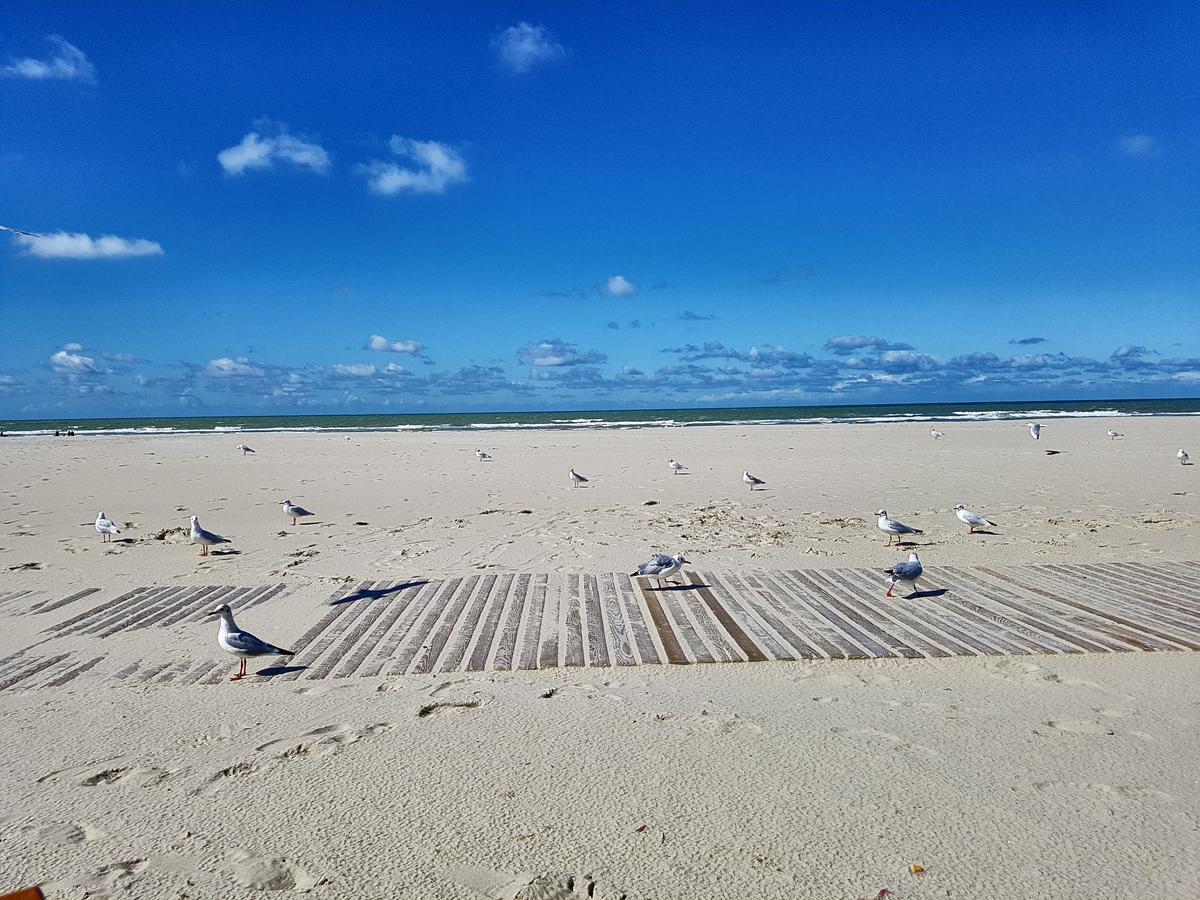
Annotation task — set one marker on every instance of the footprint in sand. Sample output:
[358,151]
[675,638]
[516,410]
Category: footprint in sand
[884,740]
[133,776]
[1101,791]
[1079,726]
[509,885]
[260,873]
[442,706]
[66,832]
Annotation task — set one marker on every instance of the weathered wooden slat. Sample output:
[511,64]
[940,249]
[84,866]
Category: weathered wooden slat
[552,616]
[301,654]
[121,614]
[265,597]
[490,625]
[791,600]
[836,597]
[1119,633]
[814,596]
[75,672]
[863,593]
[781,621]
[708,626]
[754,633]
[597,644]
[327,651]
[666,635]
[41,665]
[618,630]
[1175,587]
[208,596]
[356,646]
[52,605]
[512,614]
[529,638]
[573,621]
[690,639]
[1141,601]
[197,671]
[1089,598]
[415,646]
[637,615]
[392,627]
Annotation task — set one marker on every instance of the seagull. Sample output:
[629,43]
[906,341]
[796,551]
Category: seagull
[935,434]
[907,572]
[660,565]
[1183,457]
[16,231]
[105,526]
[1113,435]
[205,538]
[482,456]
[971,519]
[751,480]
[892,528]
[244,449]
[296,512]
[577,479]
[1035,430]
[241,643]
[676,467]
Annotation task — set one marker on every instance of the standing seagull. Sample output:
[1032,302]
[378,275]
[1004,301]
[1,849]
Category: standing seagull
[1035,430]
[971,520]
[577,479]
[1183,457]
[676,467]
[895,529]
[908,572]
[1113,435]
[660,565]
[935,434]
[105,526]
[240,643]
[244,449]
[482,456]
[296,512]
[204,538]
[751,480]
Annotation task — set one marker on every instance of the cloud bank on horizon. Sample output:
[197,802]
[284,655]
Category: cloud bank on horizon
[534,215]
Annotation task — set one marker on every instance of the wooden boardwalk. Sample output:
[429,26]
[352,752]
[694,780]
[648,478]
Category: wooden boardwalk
[521,621]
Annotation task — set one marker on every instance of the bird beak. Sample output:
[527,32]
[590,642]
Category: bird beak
[213,612]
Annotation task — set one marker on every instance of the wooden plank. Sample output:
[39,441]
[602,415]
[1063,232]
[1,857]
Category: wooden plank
[428,660]
[835,598]
[121,614]
[1176,592]
[636,615]
[731,632]
[690,638]
[401,613]
[666,635]
[74,673]
[618,630]
[198,671]
[1146,601]
[744,629]
[864,593]
[573,632]
[1115,628]
[96,610]
[506,642]
[1100,600]
[327,651]
[265,597]
[51,606]
[551,626]
[299,647]
[1022,626]
[489,625]
[597,644]
[208,596]
[773,615]
[41,665]
[356,646]
[530,636]
[814,594]
[707,624]
[466,624]
[789,599]
[415,645]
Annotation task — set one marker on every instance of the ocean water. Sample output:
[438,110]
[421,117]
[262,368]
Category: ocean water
[652,418]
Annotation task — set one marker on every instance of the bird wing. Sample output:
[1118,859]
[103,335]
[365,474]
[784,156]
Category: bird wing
[245,642]
[209,538]
[299,511]
[906,571]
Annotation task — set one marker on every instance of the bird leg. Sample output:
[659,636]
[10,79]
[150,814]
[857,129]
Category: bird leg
[204,549]
[891,584]
[241,671]
[293,520]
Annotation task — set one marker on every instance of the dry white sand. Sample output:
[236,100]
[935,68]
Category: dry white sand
[1023,777]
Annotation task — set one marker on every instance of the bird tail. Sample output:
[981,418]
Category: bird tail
[634,574]
[890,571]
[917,531]
[281,652]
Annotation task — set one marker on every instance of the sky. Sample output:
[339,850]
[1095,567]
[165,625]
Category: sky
[375,207]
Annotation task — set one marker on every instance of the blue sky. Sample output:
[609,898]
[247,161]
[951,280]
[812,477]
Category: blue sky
[289,208]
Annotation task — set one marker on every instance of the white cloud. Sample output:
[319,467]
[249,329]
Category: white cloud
[554,352]
[66,63]
[437,167]
[1138,145]
[270,145]
[523,46]
[62,245]
[1191,377]
[382,344]
[620,286]
[356,370]
[72,347]
[64,362]
[240,367]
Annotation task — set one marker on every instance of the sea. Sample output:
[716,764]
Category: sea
[593,419]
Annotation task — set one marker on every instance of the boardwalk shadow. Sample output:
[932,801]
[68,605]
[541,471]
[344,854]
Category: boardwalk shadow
[372,594]
[272,671]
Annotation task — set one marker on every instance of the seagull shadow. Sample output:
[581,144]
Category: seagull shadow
[992,533]
[922,595]
[677,587]
[123,541]
[272,671]
[224,552]
[370,594]
[308,522]
[1053,452]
